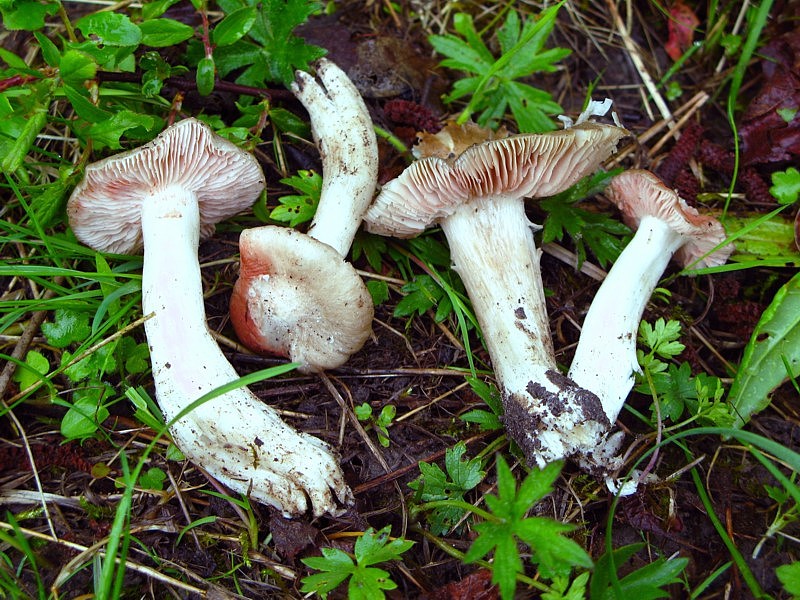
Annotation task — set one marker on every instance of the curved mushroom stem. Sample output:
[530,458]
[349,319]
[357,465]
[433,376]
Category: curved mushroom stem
[492,248]
[605,359]
[344,133]
[235,437]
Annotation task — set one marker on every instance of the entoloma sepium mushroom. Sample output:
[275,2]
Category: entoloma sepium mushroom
[476,194]
[165,196]
[605,359]
[296,295]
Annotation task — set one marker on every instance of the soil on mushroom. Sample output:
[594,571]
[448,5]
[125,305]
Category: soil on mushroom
[406,364]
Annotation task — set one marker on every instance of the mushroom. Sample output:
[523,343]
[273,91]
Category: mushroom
[299,298]
[164,196]
[346,140]
[605,358]
[475,191]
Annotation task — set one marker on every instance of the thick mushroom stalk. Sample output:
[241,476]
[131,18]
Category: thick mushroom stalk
[476,192]
[546,413]
[346,140]
[605,359]
[164,196]
[235,437]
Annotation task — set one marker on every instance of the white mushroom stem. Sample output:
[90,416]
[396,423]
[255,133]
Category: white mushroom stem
[493,251]
[605,359]
[346,139]
[237,438]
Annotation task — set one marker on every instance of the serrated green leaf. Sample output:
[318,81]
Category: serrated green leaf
[111,29]
[786,185]
[789,576]
[160,33]
[108,132]
[773,346]
[69,326]
[234,26]
[28,15]
[94,366]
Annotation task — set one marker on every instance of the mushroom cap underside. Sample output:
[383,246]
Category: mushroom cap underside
[638,193]
[105,207]
[521,166]
[297,297]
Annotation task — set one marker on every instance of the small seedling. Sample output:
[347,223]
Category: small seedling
[381,422]
[434,484]
[364,581]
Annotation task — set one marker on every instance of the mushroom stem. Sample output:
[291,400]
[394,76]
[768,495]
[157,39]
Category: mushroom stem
[237,438]
[502,276]
[348,147]
[605,359]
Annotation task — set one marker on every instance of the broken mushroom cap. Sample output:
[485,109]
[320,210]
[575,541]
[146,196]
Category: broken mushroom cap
[639,193]
[105,209]
[521,166]
[297,297]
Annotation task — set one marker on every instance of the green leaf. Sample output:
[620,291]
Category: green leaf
[36,366]
[69,326]
[111,29]
[50,52]
[94,366]
[28,15]
[554,553]
[152,479]
[107,133]
[773,347]
[76,67]
[786,185]
[86,413]
[378,290]
[234,26]
[151,10]
[296,209]
[643,584]
[205,76]
[789,576]
[160,33]
[434,484]
[15,156]
[421,295]
[365,582]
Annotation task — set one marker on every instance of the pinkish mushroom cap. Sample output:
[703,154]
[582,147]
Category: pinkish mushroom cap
[105,208]
[297,297]
[521,166]
[639,193]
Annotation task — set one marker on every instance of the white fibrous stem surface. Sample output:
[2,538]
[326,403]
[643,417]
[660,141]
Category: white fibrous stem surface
[493,251]
[346,139]
[605,360]
[235,437]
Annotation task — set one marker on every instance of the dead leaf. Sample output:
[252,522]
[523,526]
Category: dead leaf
[681,25]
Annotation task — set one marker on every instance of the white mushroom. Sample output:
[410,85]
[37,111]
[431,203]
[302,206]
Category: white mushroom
[605,360]
[163,196]
[476,192]
[296,296]
[346,140]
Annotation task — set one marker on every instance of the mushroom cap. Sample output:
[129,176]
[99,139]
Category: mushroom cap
[297,297]
[105,207]
[520,166]
[638,193]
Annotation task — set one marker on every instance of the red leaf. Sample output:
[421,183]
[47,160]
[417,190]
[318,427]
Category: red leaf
[681,26]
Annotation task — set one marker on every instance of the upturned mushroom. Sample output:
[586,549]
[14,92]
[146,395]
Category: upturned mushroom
[476,191]
[164,196]
[296,295]
[605,359]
